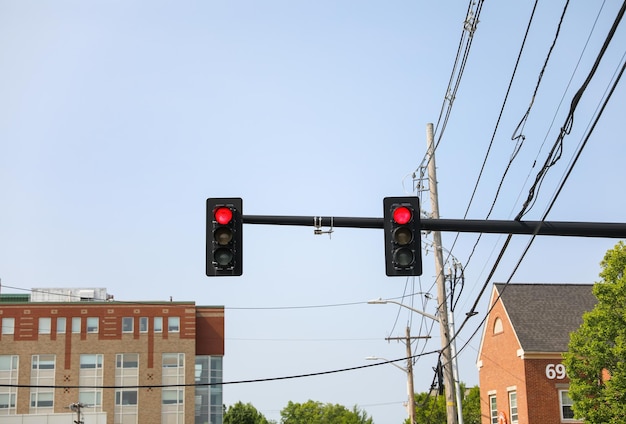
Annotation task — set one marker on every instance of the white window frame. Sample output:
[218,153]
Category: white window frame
[45,325]
[173,324]
[158,324]
[563,405]
[91,328]
[125,321]
[76,325]
[143,324]
[8,325]
[61,323]
[493,409]
[513,411]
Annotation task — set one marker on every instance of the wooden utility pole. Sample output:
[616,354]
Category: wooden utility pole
[446,357]
[409,370]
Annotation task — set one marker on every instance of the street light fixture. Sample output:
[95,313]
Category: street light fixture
[380,301]
[378,358]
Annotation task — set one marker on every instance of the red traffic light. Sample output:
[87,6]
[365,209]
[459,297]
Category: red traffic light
[402,215]
[223,215]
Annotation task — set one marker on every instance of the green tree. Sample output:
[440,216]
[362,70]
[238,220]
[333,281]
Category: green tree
[312,412]
[595,360]
[471,405]
[431,409]
[241,413]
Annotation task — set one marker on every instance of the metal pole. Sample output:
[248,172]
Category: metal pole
[455,370]
[541,228]
[446,356]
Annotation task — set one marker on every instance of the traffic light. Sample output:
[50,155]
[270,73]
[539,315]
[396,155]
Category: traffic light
[224,221]
[403,254]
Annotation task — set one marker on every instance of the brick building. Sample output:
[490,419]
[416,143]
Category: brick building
[522,378]
[139,362]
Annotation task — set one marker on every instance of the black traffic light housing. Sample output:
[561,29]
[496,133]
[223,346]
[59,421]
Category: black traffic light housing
[403,244]
[224,222]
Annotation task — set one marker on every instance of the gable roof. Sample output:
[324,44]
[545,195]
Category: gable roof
[544,315]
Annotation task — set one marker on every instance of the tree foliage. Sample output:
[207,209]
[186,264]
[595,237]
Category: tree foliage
[312,412]
[431,409]
[241,413]
[595,360]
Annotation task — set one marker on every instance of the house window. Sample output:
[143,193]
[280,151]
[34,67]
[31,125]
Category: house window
[8,325]
[173,324]
[497,326]
[158,324]
[493,409]
[92,324]
[61,322]
[45,325]
[567,413]
[513,407]
[143,324]
[127,325]
[76,324]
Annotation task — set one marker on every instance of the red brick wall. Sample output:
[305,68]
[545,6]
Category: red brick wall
[501,368]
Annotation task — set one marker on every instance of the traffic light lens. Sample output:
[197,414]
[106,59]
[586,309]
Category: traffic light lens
[402,215]
[223,256]
[223,236]
[223,215]
[403,257]
[403,236]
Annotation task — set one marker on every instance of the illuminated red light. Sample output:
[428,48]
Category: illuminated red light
[223,215]
[402,215]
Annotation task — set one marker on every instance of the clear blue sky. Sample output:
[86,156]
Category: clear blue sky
[119,118]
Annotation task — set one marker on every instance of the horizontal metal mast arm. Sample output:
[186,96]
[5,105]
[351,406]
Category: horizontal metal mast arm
[543,228]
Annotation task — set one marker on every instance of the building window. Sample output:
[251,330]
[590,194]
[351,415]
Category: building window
[143,324]
[208,389]
[172,398]
[76,324]
[61,323]
[513,407]
[8,325]
[41,378]
[497,326]
[8,380]
[493,409]
[126,397]
[45,325]
[127,325]
[567,413]
[126,374]
[173,324]
[92,324]
[89,378]
[90,361]
[158,324]
[127,360]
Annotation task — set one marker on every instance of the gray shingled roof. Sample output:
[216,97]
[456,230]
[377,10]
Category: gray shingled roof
[544,315]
